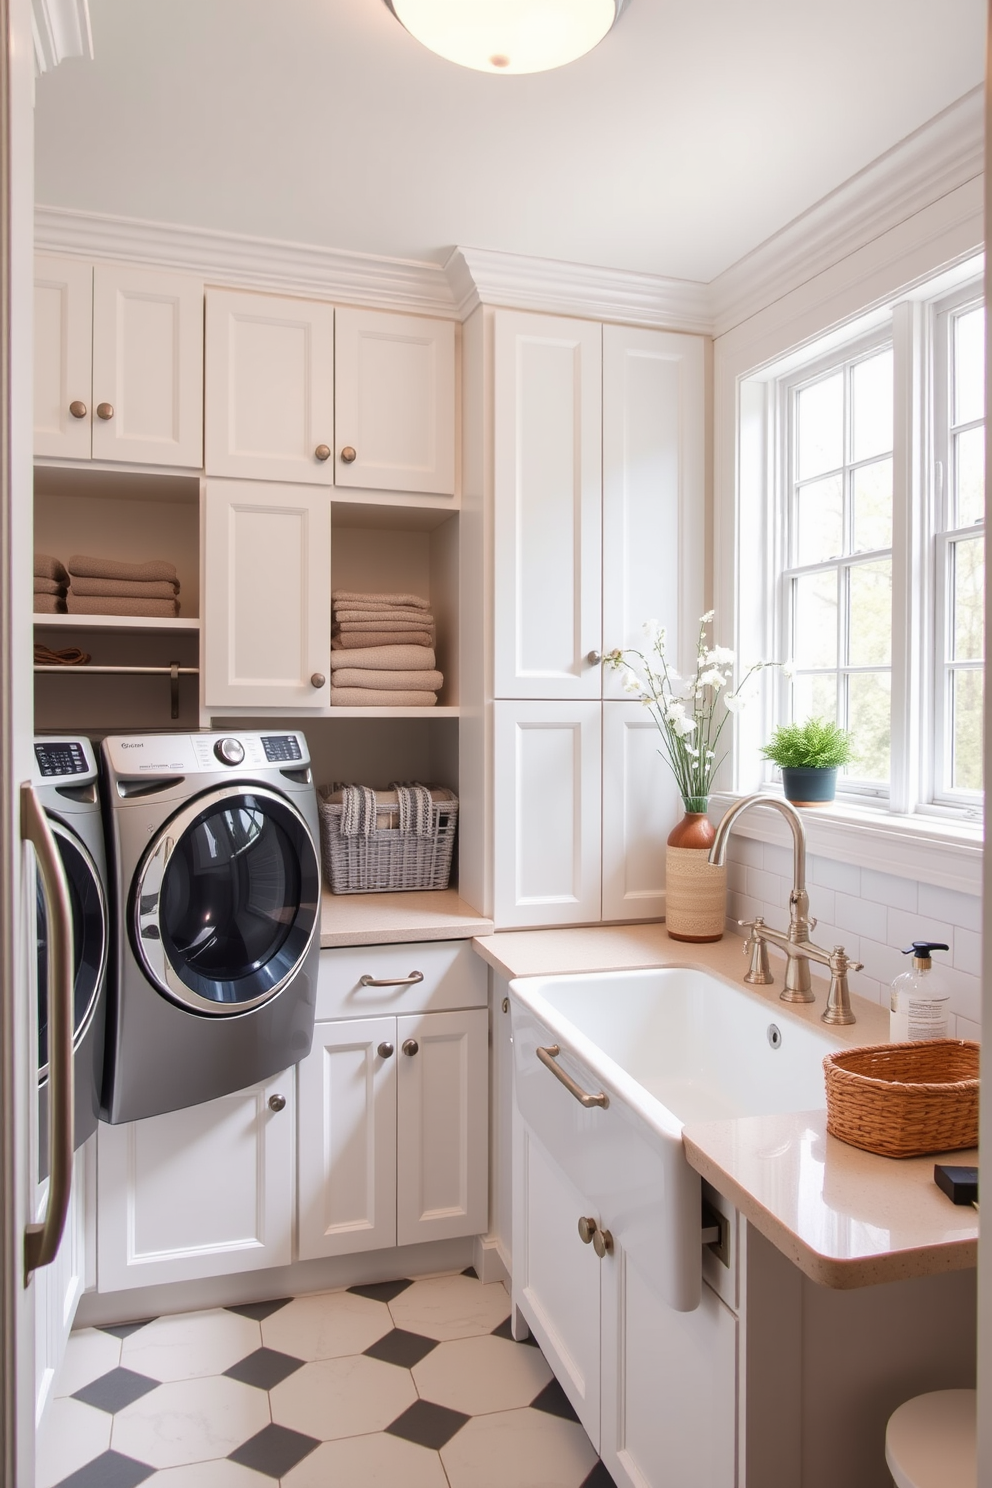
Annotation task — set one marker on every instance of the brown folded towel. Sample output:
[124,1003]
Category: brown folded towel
[389,601]
[49,604]
[157,571]
[47,567]
[344,626]
[368,697]
[359,639]
[110,604]
[388,681]
[418,618]
[49,586]
[388,658]
[125,588]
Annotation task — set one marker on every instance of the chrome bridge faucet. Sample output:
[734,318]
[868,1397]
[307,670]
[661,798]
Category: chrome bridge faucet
[795,942]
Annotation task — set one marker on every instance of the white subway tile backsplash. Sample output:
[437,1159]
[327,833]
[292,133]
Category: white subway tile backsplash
[948,904]
[880,960]
[822,903]
[904,928]
[742,907]
[966,993]
[737,877]
[866,986]
[967,951]
[886,888]
[966,1029]
[778,860]
[833,875]
[859,915]
[747,850]
[769,887]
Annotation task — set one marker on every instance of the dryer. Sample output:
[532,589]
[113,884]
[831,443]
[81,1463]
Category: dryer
[213,843]
[65,778]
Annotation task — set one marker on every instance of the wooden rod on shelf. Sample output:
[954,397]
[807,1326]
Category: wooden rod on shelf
[173,671]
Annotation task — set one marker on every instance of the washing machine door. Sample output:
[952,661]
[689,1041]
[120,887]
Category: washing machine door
[89,939]
[226,900]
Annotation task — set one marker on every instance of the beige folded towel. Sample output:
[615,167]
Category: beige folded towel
[156,571]
[49,604]
[359,639]
[388,681]
[388,658]
[392,627]
[417,618]
[47,567]
[369,697]
[110,604]
[49,586]
[390,601]
[125,588]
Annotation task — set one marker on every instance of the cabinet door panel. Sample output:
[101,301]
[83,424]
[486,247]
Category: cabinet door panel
[653,489]
[395,402]
[347,1139]
[199,1192]
[640,806]
[269,387]
[58,1288]
[63,340]
[148,365]
[442,1163]
[548,507]
[547,813]
[267,557]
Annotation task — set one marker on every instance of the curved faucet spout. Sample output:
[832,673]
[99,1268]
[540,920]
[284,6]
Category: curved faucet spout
[718,852]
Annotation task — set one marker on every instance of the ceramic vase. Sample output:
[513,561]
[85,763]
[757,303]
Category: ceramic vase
[808,786]
[695,889]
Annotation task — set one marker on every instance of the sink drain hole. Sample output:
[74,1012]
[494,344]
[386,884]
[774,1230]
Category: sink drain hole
[775,1035]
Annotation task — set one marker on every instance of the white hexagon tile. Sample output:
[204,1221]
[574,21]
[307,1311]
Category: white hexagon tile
[401,1384]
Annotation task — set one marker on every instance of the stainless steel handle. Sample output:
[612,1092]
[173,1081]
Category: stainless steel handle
[410,1046]
[602,1243]
[407,981]
[277,1103]
[41,1241]
[385,1051]
[77,409]
[317,679]
[105,410]
[548,1056]
[322,452]
[594,658]
[587,1228]
[349,454]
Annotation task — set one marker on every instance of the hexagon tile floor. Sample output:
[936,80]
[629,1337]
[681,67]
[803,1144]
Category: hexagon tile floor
[404,1384]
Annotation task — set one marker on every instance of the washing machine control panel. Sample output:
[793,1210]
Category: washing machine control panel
[62,758]
[201,754]
[281,748]
[229,751]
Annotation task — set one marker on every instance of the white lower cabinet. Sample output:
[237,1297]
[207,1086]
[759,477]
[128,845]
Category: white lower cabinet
[58,1288]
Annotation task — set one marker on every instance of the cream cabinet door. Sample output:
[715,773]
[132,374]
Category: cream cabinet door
[200,1192]
[347,1138]
[442,1155]
[547,807]
[394,402]
[269,387]
[63,349]
[640,807]
[147,367]
[548,506]
[58,1288]
[267,592]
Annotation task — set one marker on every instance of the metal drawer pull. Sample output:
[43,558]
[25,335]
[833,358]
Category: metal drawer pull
[277,1103]
[407,981]
[548,1056]
[587,1228]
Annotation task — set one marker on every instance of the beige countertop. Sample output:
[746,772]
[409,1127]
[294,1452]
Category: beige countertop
[390,919]
[846,1218]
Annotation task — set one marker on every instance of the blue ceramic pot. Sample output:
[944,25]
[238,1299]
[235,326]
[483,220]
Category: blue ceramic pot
[808,786]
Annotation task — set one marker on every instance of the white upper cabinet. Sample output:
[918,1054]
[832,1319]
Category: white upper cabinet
[394,402]
[548,506]
[118,372]
[269,387]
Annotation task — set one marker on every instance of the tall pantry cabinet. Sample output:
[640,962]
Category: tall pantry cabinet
[583,516]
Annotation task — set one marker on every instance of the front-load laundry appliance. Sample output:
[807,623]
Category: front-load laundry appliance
[66,782]
[213,844]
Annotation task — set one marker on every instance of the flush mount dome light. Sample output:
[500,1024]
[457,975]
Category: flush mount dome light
[508,35]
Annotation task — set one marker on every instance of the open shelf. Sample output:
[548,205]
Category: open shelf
[123,624]
[388,919]
[435,712]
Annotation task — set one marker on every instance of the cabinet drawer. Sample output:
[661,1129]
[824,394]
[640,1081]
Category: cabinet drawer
[453,977]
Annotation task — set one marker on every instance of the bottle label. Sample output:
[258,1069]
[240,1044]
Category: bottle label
[927,1018]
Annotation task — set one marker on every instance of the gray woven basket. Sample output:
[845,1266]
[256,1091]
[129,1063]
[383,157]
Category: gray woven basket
[388,859]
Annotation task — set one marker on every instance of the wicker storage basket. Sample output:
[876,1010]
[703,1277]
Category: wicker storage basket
[902,1100]
[388,859]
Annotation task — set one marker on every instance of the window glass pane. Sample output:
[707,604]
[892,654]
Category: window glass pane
[969,476]
[815,638]
[814,695]
[870,642]
[966,766]
[968,561]
[820,427]
[969,366]
[870,721]
[819,520]
[871,406]
[872,491]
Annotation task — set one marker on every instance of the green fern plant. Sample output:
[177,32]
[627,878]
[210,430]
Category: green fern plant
[813,745]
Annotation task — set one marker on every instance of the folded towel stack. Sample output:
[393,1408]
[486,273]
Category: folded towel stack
[105,586]
[50,584]
[382,651]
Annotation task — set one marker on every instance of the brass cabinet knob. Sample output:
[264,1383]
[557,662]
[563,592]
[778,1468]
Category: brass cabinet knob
[277,1103]
[602,1243]
[322,452]
[594,658]
[349,453]
[317,679]
[588,1228]
[105,410]
[77,409]
[385,1051]
[410,1046]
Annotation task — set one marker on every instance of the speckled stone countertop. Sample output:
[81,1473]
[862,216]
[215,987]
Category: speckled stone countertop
[846,1218]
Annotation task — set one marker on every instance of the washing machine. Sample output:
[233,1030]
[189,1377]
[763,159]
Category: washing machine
[213,846]
[66,781]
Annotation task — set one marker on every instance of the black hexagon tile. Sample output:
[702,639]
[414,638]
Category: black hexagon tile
[116,1389]
[274,1450]
[598,1478]
[554,1402]
[381,1291]
[264,1369]
[402,1348]
[124,1330]
[427,1425]
[259,1311]
[109,1470]
[502,1330]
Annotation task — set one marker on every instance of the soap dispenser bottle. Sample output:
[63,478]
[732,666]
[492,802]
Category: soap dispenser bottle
[918,1002]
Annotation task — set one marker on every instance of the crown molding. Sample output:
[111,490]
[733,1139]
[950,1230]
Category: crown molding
[482,276]
[60,29]
[939,157]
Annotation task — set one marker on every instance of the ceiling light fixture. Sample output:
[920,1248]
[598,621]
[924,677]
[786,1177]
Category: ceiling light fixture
[508,35]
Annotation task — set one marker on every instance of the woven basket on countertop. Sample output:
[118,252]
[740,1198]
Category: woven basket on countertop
[903,1100]
[387,859]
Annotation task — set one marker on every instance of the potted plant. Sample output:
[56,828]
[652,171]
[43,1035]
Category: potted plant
[809,755]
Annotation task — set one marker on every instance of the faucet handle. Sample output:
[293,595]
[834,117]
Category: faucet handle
[838,1009]
[759,972]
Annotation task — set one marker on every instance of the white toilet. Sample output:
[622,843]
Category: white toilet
[930,1441]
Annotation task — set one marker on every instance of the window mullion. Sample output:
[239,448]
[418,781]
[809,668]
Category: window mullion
[909,456]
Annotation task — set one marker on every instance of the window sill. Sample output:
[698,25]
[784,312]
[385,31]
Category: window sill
[928,848]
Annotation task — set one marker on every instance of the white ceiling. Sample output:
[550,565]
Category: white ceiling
[694,131]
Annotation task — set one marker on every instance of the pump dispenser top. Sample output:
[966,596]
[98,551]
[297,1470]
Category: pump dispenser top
[918,1003]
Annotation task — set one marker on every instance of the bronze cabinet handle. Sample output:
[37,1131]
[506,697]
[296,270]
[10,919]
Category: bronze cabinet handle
[277,1103]
[77,409]
[410,1046]
[322,452]
[407,981]
[349,454]
[317,679]
[105,410]
[548,1056]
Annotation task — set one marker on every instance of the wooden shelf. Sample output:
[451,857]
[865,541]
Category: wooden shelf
[390,919]
[436,712]
[122,623]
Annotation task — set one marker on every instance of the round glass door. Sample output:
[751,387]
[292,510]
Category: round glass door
[89,939]
[227,901]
